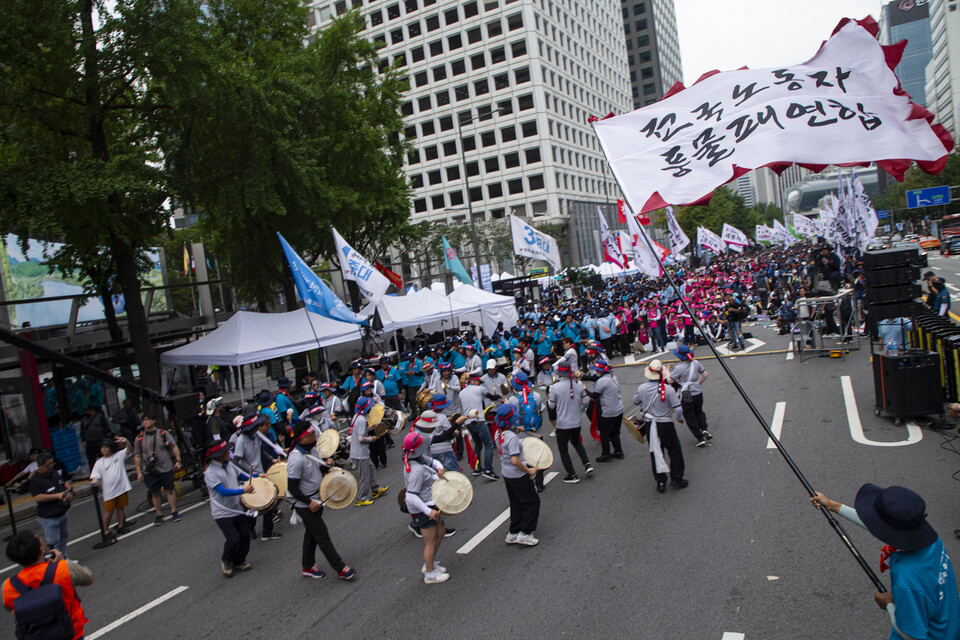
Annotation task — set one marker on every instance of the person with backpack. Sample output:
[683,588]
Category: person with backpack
[156,457]
[42,596]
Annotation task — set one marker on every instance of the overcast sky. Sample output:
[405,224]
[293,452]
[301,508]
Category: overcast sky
[729,34]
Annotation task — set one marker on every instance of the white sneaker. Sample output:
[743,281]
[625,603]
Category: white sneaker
[437,567]
[511,538]
[527,539]
[435,577]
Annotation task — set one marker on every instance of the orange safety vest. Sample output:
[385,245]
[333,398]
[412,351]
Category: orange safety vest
[33,576]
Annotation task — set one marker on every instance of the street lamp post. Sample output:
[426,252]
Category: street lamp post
[466,182]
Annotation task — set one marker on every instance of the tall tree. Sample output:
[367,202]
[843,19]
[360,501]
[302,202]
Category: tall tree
[85,87]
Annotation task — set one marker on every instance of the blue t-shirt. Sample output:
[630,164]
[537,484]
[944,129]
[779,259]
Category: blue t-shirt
[925,593]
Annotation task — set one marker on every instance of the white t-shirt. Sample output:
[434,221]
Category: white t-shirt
[112,475]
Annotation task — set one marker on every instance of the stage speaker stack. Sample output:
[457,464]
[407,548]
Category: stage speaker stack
[908,384]
[892,287]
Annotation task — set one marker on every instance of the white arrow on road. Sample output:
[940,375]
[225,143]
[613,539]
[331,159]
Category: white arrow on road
[914,434]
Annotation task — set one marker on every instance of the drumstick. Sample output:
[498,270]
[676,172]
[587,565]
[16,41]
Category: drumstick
[276,448]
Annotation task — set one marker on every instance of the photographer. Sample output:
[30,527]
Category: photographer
[156,456]
[53,494]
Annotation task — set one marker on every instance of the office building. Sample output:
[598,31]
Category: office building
[500,93]
[909,21]
[943,70]
[653,48]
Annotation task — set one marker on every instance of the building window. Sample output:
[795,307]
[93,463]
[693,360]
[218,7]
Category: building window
[410,133]
[414,29]
[473,169]
[641,25]
[420,78]
[477,61]
[638,9]
[454,42]
[494,28]
[451,16]
[469,143]
[481,87]
[400,60]
[416,181]
[522,75]
[461,93]
[436,202]
[474,35]
[497,55]
[645,56]
[450,148]
[439,73]
[484,113]
[491,164]
[424,104]
[411,6]
[396,36]
[519,48]
[434,177]
[417,54]
[430,153]
[495,190]
[420,205]
[458,67]
[476,194]
[406,108]
[643,41]
[649,89]
[413,157]
[443,98]
[433,23]
[488,138]
[646,72]
[456,198]
[525,102]
[470,9]
[511,160]
[505,107]
[515,186]
[446,123]
[436,48]
[536,182]
[453,173]
[427,128]
[515,22]
[508,134]
[529,128]
[532,155]
[490,6]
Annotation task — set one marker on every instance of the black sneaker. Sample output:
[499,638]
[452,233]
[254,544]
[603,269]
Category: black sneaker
[618,455]
[706,434]
[605,458]
[661,487]
[700,443]
[449,532]
[588,468]
[477,471]
[490,475]
[680,483]
[571,479]
[272,536]
[415,531]
[540,490]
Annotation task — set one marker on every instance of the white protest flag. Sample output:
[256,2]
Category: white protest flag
[843,106]
[530,243]
[354,266]
[866,215]
[643,257]
[611,249]
[843,234]
[826,225]
[804,226]
[733,236]
[678,239]
[710,240]
[763,233]
[779,232]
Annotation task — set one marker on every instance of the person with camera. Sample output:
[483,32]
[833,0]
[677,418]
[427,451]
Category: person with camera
[53,494]
[156,457]
[43,568]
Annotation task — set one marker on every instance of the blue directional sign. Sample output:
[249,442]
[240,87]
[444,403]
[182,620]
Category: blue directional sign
[883,213]
[928,197]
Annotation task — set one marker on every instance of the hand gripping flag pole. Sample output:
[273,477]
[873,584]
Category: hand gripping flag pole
[837,527]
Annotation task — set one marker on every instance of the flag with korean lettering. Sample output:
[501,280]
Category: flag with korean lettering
[643,257]
[710,240]
[763,233]
[611,248]
[864,213]
[844,106]
[733,236]
[678,239]
[354,266]
[531,243]
[804,226]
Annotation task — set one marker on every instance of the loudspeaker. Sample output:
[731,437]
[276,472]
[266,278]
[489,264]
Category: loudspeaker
[887,310]
[183,406]
[893,293]
[894,258]
[908,384]
[891,275]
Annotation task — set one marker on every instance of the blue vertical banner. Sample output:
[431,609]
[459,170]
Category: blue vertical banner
[316,295]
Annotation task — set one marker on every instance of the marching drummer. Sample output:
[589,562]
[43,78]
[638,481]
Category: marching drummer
[304,473]
[660,405]
[529,404]
[606,390]
[419,473]
[449,385]
[332,404]
[360,438]
[518,478]
[225,491]
[249,453]
[473,364]
[431,378]
[493,383]
[545,378]
[472,402]
[378,448]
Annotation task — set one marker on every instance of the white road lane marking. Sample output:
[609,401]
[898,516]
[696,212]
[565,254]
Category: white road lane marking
[914,434]
[777,424]
[652,355]
[790,351]
[473,542]
[133,614]
[629,359]
[950,286]
[126,535]
[732,635]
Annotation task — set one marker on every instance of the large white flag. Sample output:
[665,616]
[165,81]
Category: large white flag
[763,233]
[864,213]
[678,239]
[710,240]
[804,225]
[733,236]
[843,106]
[643,257]
[530,243]
[611,249]
[780,232]
[354,266]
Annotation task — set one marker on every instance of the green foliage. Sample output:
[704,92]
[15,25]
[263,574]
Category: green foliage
[726,206]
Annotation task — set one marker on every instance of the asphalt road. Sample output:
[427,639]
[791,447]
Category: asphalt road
[740,551]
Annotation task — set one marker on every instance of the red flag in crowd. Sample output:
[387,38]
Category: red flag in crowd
[394,278]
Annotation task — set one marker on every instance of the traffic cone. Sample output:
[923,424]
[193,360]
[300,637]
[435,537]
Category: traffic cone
[947,252]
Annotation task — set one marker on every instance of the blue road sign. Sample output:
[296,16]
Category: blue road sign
[928,197]
[883,213]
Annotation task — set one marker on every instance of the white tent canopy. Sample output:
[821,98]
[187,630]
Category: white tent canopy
[424,308]
[489,308]
[251,337]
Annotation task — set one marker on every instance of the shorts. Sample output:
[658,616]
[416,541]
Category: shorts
[116,503]
[156,481]
[423,520]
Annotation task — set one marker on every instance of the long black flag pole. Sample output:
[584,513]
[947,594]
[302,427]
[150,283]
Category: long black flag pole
[834,523]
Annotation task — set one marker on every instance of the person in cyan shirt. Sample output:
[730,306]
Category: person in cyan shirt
[922,601]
